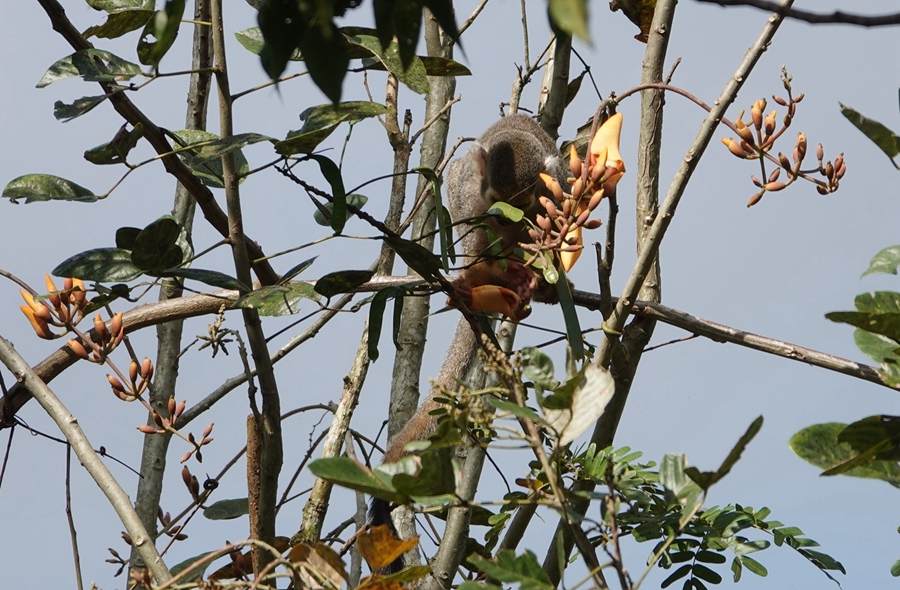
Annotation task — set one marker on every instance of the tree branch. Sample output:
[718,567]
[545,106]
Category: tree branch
[836,17]
[68,425]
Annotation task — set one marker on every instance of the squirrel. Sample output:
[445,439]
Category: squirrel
[504,164]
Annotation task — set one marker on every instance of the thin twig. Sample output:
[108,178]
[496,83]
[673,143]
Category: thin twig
[73,535]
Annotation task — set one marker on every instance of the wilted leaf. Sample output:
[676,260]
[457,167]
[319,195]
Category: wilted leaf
[595,389]
[640,12]
[116,151]
[66,112]
[379,546]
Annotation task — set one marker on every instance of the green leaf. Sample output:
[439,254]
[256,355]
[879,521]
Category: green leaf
[116,150]
[324,49]
[209,277]
[94,65]
[886,324]
[350,474]
[120,23]
[252,40]
[436,476]
[884,352]
[344,281]
[706,574]
[46,187]
[125,237]
[66,112]
[736,569]
[819,445]
[675,576]
[411,72]
[711,557]
[217,148]
[506,211]
[278,300]
[319,121]
[159,33]
[895,569]
[735,454]
[506,567]
[282,25]
[538,367]
[196,574]
[103,265]
[324,219]
[376,317]
[885,262]
[444,223]
[208,170]
[883,137]
[419,258]
[823,560]
[227,509]
[571,16]
[516,410]
[332,174]
[570,315]
[296,270]
[113,6]
[156,247]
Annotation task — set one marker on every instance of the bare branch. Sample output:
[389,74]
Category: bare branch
[817,18]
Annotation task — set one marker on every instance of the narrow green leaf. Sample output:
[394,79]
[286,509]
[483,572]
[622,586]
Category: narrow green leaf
[445,233]
[282,25]
[213,278]
[332,174]
[895,569]
[735,454]
[46,187]
[886,324]
[220,147]
[517,410]
[344,281]
[160,32]
[883,137]
[706,574]
[227,509]
[736,569]
[570,315]
[103,265]
[675,576]
[324,49]
[208,170]
[252,40]
[416,256]
[506,211]
[376,319]
[711,557]
[296,270]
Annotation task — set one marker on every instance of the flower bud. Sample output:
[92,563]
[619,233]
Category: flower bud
[549,206]
[774,175]
[100,329]
[755,199]
[770,123]
[593,224]
[774,186]
[575,163]
[734,147]
[78,348]
[146,429]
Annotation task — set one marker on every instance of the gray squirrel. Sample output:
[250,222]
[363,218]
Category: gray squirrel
[504,164]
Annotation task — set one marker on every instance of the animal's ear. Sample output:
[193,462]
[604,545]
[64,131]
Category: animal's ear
[481,159]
